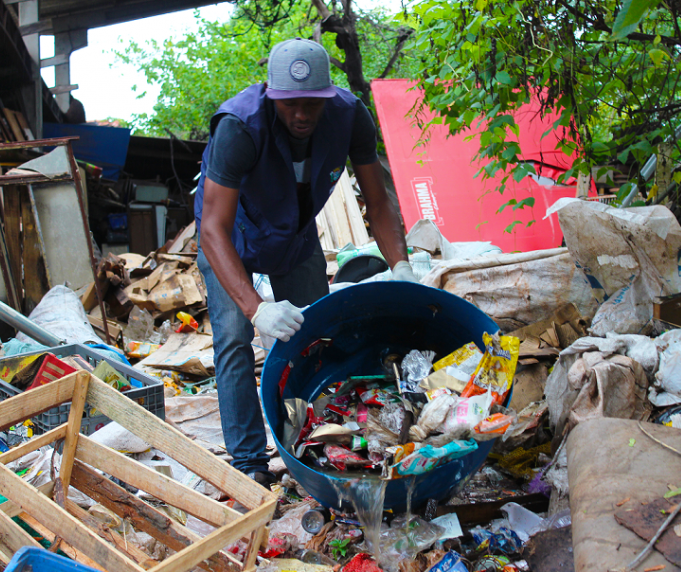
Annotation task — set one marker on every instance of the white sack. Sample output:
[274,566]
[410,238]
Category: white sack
[519,289]
[613,245]
[61,313]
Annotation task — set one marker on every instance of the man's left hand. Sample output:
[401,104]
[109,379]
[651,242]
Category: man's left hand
[403,271]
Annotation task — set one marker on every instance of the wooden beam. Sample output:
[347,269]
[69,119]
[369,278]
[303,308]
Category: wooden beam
[50,515]
[19,408]
[66,548]
[115,538]
[36,274]
[154,483]
[165,438]
[11,509]
[11,285]
[73,426]
[257,537]
[34,443]
[12,221]
[185,560]
[14,537]
[143,516]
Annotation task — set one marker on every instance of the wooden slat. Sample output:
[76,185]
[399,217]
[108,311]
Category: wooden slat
[165,438]
[12,220]
[338,218]
[360,235]
[154,483]
[143,516]
[121,544]
[73,426]
[257,537]
[34,443]
[50,515]
[36,274]
[12,509]
[22,407]
[11,286]
[182,561]
[14,125]
[66,548]
[14,537]
[5,554]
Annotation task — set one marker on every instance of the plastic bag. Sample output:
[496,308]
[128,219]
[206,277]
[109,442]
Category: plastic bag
[432,417]
[404,540]
[416,366]
[496,368]
[427,458]
[467,413]
[495,423]
[187,323]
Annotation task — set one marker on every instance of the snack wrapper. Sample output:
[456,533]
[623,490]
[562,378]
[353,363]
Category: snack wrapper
[342,458]
[378,397]
[495,423]
[450,562]
[467,413]
[428,457]
[496,368]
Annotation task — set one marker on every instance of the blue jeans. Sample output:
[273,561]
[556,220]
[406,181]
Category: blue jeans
[240,411]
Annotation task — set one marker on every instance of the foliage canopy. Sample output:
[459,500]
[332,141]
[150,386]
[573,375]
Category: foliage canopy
[610,69]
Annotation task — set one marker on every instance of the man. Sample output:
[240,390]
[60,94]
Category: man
[274,155]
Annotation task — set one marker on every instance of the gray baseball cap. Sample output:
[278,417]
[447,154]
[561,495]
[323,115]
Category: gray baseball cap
[299,68]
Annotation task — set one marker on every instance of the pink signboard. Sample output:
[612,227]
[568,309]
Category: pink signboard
[435,180]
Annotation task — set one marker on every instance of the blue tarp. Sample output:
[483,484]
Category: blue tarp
[106,147]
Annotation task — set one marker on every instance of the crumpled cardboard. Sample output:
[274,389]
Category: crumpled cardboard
[190,353]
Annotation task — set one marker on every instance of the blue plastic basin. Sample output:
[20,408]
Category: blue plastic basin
[364,322]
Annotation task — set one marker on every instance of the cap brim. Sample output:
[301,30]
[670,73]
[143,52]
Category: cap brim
[325,93]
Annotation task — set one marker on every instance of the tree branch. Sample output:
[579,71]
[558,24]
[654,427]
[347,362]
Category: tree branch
[340,65]
[321,8]
[405,33]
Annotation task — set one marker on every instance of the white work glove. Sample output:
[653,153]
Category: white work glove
[402,271]
[278,319]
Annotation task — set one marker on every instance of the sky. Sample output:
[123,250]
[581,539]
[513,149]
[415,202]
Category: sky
[105,87]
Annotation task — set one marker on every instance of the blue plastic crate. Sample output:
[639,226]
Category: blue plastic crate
[42,560]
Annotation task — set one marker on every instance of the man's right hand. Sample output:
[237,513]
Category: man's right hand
[278,319]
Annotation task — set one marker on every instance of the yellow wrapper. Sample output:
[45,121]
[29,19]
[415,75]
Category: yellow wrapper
[496,368]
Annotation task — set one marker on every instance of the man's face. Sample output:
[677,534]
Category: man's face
[300,115]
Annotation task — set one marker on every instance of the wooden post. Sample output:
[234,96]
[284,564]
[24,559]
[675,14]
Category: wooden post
[73,427]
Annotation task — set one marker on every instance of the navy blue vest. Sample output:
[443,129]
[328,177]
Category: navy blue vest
[265,233]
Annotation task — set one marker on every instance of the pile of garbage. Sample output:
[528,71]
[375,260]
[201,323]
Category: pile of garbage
[408,421]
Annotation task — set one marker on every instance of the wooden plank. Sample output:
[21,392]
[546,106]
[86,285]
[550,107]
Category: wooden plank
[73,426]
[143,516]
[154,483]
[66,548]
[115,538]
[360,235]
[5,554]
[13,536]
[115,330]
[34,443]
[337,217]
[36,274]
[11,509]
[182,561]
[12,220]
[50,515]
[257,537]
[14,125]
[29,404]
[165,438]
[25,127]
[11,286]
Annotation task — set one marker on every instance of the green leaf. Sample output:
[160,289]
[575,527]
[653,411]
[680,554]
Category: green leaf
[673,493]
[630,16]
[677,177]
[511,202]
[657,55]
[632,442]
[511,226]
[503,77]
[528,202]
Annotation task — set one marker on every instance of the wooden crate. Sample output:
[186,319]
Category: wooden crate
[94,543]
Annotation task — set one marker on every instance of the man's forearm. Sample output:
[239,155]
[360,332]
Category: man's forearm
[229,269]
